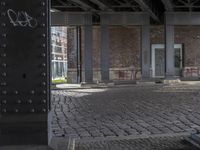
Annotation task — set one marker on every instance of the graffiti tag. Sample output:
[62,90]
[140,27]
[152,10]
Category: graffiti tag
[22,19]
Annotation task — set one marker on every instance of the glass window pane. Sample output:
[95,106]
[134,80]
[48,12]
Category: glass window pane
[59,52]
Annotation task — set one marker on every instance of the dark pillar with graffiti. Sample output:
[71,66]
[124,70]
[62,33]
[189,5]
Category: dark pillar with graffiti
[24,72]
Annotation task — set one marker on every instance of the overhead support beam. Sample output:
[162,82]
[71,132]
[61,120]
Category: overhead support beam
[61,2]
[116,18]
[147,8]
[186,7]
[68,19]
[125,6]
[126,18]
[168,5]
[101,5]
[129,4]
[182,18]
[83,5]
[58,6]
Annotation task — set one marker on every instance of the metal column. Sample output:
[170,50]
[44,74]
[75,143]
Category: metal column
[88,37]
[25,74]
[146,65]
[104,48]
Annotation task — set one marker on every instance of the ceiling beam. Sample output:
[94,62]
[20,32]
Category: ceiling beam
[194,2]
[58,6]
[101,5]
[168,5]
[115,18]
[182,18]
[61,2]
[147,8]
[124,6]
[128,2]
[186,6]
[83,5]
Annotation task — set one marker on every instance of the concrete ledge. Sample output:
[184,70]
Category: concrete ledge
[65,86]
[171,81]
[146,82]
[96,85]
[62,143]
[190,78]
[121,82]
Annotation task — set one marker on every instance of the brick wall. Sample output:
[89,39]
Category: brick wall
[125,50]
[189,36]
[157,35]
[124,55]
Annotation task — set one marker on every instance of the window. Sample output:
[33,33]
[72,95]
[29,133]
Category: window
[59,53]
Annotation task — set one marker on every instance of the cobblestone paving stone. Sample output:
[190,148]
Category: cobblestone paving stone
[125,111]
[162,143]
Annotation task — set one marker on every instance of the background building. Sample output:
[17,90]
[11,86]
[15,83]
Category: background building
[59,53]
[130,40]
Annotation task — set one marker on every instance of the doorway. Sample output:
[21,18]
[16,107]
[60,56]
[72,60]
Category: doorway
[158,60]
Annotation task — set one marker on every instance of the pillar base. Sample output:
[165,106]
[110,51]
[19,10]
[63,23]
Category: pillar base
[24,129]
[55,144]
[146,81]
[26,148]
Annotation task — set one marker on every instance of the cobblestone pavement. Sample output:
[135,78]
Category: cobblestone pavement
[125,111]
[161,143]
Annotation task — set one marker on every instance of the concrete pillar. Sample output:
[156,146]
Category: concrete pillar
[169,50]
[78,41]
[145,43]
[88,37]
[75,49]
[104,48]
